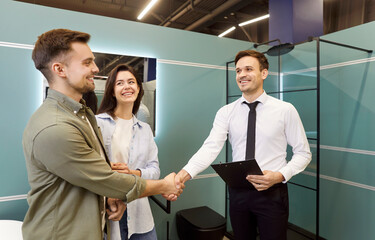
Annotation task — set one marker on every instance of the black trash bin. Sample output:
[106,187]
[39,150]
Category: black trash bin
[201,223]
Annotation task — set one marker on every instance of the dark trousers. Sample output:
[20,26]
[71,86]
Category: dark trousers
[266,210]
[124,226]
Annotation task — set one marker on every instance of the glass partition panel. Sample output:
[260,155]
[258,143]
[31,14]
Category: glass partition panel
[299,86]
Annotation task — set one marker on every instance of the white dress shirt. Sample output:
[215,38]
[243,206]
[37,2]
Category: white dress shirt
[277,125]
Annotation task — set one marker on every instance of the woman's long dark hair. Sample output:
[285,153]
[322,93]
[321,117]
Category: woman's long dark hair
[109,101]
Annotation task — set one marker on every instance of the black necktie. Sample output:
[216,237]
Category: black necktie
[250,141]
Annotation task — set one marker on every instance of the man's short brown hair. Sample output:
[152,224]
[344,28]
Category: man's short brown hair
[54,44]
[263,62]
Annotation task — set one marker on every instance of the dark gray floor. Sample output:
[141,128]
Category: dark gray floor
[293,234]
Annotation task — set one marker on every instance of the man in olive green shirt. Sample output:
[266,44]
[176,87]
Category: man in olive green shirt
[68,170]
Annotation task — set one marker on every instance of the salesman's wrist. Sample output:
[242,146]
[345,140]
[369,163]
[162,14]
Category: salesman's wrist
[280,177]
[184,175]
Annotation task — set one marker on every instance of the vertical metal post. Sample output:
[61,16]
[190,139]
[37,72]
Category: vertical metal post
[317,135]
[278,75]
[167,230]
[226,146]
[227,90]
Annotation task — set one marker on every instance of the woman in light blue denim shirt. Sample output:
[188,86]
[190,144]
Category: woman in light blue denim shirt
[130,146]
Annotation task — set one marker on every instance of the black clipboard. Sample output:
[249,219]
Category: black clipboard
[234,173]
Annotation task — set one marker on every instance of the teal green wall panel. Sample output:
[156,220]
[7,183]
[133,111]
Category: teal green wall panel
[299,82]
[348,166]
[305,103]
[185,120]
[18,103]
[351,89]
[302,57]
[302,206]
[348,212]
[347,135]
[271,83]
[13,210]
[233,89]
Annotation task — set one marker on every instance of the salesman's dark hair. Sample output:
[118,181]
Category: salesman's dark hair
[263,62]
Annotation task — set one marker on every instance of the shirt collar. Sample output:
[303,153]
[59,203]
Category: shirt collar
[107,116]
[262,98]
[136,121]
[73,105]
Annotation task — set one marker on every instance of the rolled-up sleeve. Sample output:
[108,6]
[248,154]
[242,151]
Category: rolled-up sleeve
[72,159]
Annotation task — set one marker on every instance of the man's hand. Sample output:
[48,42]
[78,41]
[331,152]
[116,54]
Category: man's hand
[173,189]
[165,187]
[120,167]
[265,181]
[116,209]
[179,180]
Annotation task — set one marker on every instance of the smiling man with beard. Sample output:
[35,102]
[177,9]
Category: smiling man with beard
[264,204]
[68,170]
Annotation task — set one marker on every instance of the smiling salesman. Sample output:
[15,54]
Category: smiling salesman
[264,205]
[68,170]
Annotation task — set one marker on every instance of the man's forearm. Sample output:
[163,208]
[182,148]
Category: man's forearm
[154,187]
[162,186]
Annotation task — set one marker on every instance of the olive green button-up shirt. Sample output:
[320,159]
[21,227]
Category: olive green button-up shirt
[67,175]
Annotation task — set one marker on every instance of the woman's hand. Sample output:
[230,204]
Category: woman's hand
[120,167]
[123,168]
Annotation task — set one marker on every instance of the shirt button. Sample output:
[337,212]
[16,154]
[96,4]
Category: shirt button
[83,117]
[75,112]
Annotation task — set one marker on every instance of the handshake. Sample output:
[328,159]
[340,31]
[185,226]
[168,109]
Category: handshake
[176,184]
[170,187]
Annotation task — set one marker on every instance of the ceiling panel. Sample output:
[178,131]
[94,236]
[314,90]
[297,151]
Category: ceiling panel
[184,14]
